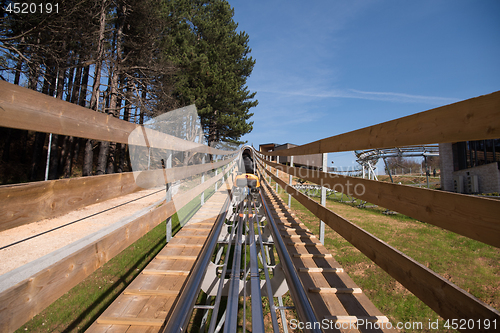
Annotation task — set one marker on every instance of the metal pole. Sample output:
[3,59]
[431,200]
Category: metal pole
[202,201]
[168,188]
[216,172]
[48,157]
[389,171]
[323,200]
[49,148]
[426,171]
[290,183]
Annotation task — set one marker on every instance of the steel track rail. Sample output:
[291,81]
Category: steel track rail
[179,319]
[231,323]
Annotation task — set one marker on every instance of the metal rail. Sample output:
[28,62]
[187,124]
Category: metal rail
[269,290]
[179,318]
[234,284]
[257,312]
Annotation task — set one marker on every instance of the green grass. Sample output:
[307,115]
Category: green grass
[472,265]
[76,310]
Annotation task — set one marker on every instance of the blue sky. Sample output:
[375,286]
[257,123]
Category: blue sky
[326,67]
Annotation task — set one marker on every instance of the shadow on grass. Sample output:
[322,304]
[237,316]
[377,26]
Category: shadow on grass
[100,304]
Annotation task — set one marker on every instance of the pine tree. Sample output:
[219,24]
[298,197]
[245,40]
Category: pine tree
[215,64]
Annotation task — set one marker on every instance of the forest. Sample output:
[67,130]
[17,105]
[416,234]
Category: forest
[131,59]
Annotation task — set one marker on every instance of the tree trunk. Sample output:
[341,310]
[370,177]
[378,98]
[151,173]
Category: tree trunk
[73,98]
[8,141]
[109,148]
[126,117]
[54,151]
[36,160]
[89,154]
[68,140]
[94,99]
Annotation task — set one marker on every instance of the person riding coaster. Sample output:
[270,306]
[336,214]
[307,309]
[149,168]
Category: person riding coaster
[246,178]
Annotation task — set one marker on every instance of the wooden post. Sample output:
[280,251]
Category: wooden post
[168,198]
[277,175]
[290,183]
[323,200]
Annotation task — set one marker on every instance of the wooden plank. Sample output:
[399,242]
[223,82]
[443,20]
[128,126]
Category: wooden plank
[312,255]
[25,203]
[471,216]
[162,289]
[320,270]
[130,321]
[185,245]
[156,292]
[336,290]
[445,298]
[30,110]
[354,319]
[163,272]
[154,178]
[298,236]
[473,119]
[196,236]
[328,303]
[301,244]
[174,257]
[21,302]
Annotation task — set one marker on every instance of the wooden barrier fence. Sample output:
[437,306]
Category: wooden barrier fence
[26,109]
[474,217]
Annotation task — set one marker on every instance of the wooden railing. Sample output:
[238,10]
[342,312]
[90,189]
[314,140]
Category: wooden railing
[473,217]
[20,204]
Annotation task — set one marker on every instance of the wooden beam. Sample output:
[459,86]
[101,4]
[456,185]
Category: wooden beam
[175,257]
[30,110]
[321,270]
[131,321]
[158,177]
[151,292]
[29,297]
[470,216]
[163,272]
[336,290]
[25,203]
[473,119]
[21,302]
[312,255]
[446,299]
[355,319]
[302,244]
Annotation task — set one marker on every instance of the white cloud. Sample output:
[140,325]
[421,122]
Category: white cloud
[368,95]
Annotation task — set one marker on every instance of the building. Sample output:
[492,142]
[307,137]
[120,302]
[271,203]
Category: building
[470,166]
[312,161]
